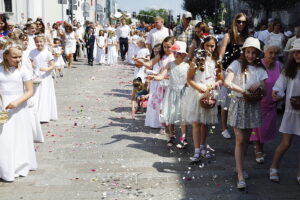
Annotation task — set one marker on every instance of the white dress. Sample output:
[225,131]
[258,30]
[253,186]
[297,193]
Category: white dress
[140,72]
[58,60]
[291,118]
[45,92]
[17,155]
[37,129]
[70,43]
[191,109]
[100,58]
[31,43]
[112,54]
[132,48]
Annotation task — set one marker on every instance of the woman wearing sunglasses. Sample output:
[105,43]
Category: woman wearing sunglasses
[230,51]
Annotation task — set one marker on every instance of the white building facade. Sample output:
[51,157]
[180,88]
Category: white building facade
[59,10]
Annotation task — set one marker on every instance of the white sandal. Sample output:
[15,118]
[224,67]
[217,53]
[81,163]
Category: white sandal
[274,175]
[261,159]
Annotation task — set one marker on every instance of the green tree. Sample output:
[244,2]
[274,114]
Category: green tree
[271,5]
[149,15]
[207,9]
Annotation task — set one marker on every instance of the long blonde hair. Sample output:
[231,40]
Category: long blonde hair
[234,33]
[7,50]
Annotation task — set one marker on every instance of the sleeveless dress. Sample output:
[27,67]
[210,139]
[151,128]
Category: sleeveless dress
[268,130]
[70,43]
[191,109]
[171,105]
[17,154]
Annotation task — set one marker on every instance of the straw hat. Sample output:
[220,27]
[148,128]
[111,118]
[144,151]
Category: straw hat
[296,45]
[252,42]
[179,47]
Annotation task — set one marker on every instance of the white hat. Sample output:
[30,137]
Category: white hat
[296,45]
[252,42]
[187,14]
[179,47]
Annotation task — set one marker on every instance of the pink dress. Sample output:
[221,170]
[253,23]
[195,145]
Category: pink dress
[268,130]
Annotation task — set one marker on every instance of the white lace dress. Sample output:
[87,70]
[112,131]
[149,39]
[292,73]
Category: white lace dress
[17,155]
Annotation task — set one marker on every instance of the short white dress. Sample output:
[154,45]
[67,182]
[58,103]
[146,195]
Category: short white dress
[70,43]
[58,60]
[17,154]
[291,118]
[191,109]
[45,92]
[171,105]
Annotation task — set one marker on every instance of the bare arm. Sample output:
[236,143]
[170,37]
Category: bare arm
[224,44]
[228,83]
[190,79]
[28,93]
[50,68]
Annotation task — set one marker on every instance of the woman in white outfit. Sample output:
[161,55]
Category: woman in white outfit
[70,44]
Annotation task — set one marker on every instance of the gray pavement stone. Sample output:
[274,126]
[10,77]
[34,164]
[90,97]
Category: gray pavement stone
[96,151]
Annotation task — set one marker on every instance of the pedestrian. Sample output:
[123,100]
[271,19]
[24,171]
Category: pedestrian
[133,47]
[123,32]
[112,55]
[171,105]
[69,44]
[165,55]
[43,64]
[17,153]
[230,51]
[288,85]
[158,34]
[37,129]
[290,42]
[57,52]
[142,54]
[3,25]
[31,30]
[90,44]
[101,45]
[185,31]
[139,94]
[244,77]
[268,130]
[204,83]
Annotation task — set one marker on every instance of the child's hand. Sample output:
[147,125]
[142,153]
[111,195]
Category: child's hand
[150,77]
[275,96]
[11,105]
[133,113]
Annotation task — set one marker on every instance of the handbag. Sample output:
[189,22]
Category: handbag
[295,102]
[3,114]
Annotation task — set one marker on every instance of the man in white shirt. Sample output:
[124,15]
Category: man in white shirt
[123,32]
[158,34]
[263,35]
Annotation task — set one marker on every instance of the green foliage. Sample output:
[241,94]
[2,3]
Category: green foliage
[149,15]
[205,8]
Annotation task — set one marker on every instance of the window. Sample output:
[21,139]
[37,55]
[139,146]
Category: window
[8,5]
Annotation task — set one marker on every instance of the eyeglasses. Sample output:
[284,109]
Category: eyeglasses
[240,22]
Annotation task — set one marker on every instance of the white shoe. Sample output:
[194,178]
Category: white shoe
[226,134]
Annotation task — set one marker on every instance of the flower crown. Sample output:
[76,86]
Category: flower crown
[12,45]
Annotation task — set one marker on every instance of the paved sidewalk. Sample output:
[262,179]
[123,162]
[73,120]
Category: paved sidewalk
[96,151]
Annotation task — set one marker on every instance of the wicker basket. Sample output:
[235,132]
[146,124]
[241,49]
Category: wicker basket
[255,96]
[295,102]
[138,63]
[208,103]
[3,117]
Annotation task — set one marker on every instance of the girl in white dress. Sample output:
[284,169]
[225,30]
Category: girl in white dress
[132,46]
[203,82]
[157,90]
[171,105]
[288,85]
[70,44]
[101,45]
[31,29]
[112,43]
[57,52]
[17,155]
[37,129]
[43,63]
[245,76]
[142,54]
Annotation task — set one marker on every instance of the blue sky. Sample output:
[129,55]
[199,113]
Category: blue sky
[136,5]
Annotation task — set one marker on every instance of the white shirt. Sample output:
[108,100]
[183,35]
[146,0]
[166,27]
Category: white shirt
[276,39]
[262,35]
[123,31]
[253,75]
[157,36]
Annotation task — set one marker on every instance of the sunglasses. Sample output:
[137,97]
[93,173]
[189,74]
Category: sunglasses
[179,53]
[240,22]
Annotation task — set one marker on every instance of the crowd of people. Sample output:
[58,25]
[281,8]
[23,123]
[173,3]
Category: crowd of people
[182,75]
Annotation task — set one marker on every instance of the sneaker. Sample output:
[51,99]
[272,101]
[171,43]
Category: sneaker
[171,141]
[205,154]
[226,134]
[241,184]
[183,143]
[195,158]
